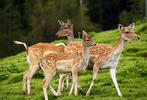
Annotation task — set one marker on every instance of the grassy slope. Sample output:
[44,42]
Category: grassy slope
[131,73]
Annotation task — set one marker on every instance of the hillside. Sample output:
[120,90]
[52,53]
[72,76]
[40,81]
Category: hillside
[131,73]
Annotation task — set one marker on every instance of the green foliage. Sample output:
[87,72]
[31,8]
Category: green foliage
[135,12]
[33,21]
[131,73]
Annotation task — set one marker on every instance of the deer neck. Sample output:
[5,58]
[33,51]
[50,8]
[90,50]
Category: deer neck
[85,55]
[71,37]
[118,48]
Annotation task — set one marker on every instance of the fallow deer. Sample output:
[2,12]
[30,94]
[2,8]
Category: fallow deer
[66,29]
[105,56]
[34,54]
[64,63]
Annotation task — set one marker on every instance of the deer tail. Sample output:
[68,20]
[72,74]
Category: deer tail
[18,42]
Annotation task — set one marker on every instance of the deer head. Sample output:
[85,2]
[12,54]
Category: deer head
[66,29]
[86,39]
[127,32]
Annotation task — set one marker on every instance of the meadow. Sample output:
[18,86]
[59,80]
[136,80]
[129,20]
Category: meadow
[131,73]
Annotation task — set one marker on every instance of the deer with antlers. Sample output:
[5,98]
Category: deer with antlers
[102,55]
[64,63]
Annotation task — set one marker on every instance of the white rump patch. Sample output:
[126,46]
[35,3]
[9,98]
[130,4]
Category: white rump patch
[59,44]
[29,62]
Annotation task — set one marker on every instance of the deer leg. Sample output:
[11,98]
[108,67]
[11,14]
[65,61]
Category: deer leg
[67,82]
[46,81]
[73,84]
[60,83]
[31,72]
[70,93]
[95,71]
[80,88]
[24,82]
[25,74]
[113,75]
[52,90]
[75,80]
[76,90]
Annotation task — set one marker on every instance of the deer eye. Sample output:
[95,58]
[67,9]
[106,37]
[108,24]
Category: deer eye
[69,25]
[127,32]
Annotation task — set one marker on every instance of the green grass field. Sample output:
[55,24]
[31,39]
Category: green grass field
[131,73]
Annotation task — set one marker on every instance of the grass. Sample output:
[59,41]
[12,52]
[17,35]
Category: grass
[131,73]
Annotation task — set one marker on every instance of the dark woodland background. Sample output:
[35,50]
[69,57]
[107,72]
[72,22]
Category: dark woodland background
[33,21]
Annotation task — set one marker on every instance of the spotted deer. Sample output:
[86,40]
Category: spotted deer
[66,30]
[34,54]
[64,63]
[105,56]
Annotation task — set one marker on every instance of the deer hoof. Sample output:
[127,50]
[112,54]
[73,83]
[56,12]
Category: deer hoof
[67,89]
[29,93]
[24,92]
[87,93]
[62,90]
[70,94]
[120,95]
[59,94]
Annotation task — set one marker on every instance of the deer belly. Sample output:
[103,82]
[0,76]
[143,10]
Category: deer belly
[110,63]
[64,66]
[82,67]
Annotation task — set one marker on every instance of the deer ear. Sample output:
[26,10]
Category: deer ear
[84,33]
[68,21]
[120,27]
[61,22]
[80,35]
[131,26]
